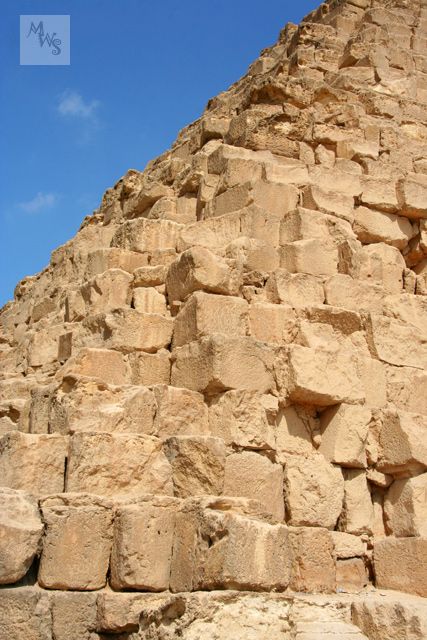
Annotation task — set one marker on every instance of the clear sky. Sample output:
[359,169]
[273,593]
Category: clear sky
[139,72]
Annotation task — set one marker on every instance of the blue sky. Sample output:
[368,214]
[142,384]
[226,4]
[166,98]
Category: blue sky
[139,72]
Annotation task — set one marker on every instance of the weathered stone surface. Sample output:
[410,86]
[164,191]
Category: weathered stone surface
[412,194]
[314,491]
[74,614]
[402,446]
[149,300]
[219,363]
[346,545]
[109,366]
[272,322]
[142,544]
[351,575]
[115,464]
[179,412]
[128,330]
[33,463]
[296,428]
[386,614]
[344,434]
[294,288]
[251,475]
[405,507]
[146,235]
[197,465]
[150,368]
[376,226]
[401,564]
[77,542]
[21,530]
[358,512]
[25,613]
[313,564]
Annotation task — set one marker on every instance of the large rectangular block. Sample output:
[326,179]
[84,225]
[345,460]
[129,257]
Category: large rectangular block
[147,235]
[272,323]
[401,564]
[309,257]
[396,343]
[412,196]
[128,330]
[179,412]
[294,289]
[405,507]
[77,542]
[219,363]
[117,464]
[313,562]
[101,260]
[402,442]
[344,431]
[104,364]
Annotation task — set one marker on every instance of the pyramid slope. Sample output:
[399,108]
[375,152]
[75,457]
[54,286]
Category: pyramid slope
[215,390]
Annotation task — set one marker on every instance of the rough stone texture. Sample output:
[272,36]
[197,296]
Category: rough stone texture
[400,563]
[21,530]
[313,564]
[405,507]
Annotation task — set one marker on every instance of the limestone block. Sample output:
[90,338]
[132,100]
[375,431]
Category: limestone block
[344,434]
[342,290]
[377,226]
[102,260]
[272,323]
[129,330]
[329,202]
[146,235]
[204,314]
[396,343]
[357,516]
[149,300]
[355,150]
[405,388]
[336,180]
[150,368]
[106,291]
[119,612]
[402,443]
[252,475]
[43,346]
[77,542]
[405,507]
[374,382]
[296,427]
[142,544]
[314,491]
[385,616]
[286,171]
[216,548]
[351,575]
[197,465]
[379,193]
[179,412]
[33,463]
[401,564]
[412,196]
[89,405]
[384,265]
[25,613]
[104,364]
[318,376]
[74,615]
[409,309]
[117,464]
[313,564]
[219,363]
[253,254]
[294,289]
[21,530]
[244,419]
[214,233]
[148,276]
[346,545]
[199,269]
[310,257]
[306,224]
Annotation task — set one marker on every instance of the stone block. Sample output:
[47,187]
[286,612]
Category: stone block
[142,544]
[179,412]
[244,419]
[102,260]
[313,563]
[343,291]
[379,193]
[294,289]
[253,475]
[396,343]
[384,265]
[220,549]
[149,300]
[412,196]
[128,330]
[218,363]
[314,491]
[386,615]
[25,613]
[204,314]
[200,269]
[150,276]
[309,257]
[347,545]
[21,531]
[379,226]
[253,254]
[351,575]
[105,292]
[33,463]
[74,615]
[147,235]
[104,364]
[405,507]
[77,542]
[150,368]
[329,202]
[296,427]
[402,444]
[401,564]
[272,323]
[357,516]
[344,433]
[117,464]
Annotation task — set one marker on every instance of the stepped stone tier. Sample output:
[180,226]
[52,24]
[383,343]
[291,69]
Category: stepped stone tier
[213,400]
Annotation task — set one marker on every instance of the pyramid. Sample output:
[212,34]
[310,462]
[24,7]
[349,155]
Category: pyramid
[213,400]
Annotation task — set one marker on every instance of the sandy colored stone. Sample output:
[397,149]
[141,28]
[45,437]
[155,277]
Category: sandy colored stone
[379,193]
[21,530]
[149,300]
[200,269]
[405,507]
[382,264]
[343,291]
[109,366]
[358,512]
[142,545]
[146,235]
[102,260]
[74,614]
[383,615]
[77,542]
[296,427]
[128,330]
[244,419]
[33,463]
[272,323]
[412,195]
[351,575]
[314,491]
[347,545]
[150,368]
[294,289]
[197,465]
[252,475]
[380,226]
[25,613]
[328,201]
[204,314]
[344,433]
[396,343]
[309,257]
[179,412]
[107,291]
[313,563]
[402,446]
[219,363]
[117,464]
[401,564]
